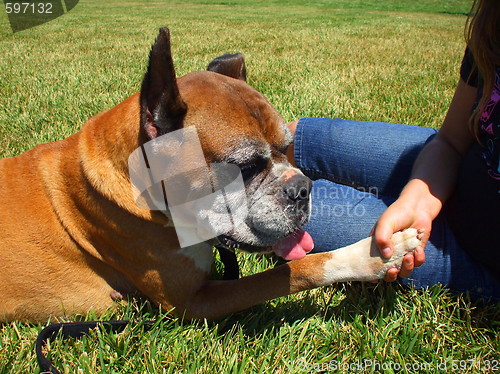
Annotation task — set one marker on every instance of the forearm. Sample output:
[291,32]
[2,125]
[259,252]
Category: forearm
[432,181]
[433,177]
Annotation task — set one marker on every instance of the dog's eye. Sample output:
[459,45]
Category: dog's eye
[250,170]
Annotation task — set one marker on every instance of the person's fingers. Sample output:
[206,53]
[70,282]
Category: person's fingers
[383,234]
[419,256]
[391,275]
[407,265]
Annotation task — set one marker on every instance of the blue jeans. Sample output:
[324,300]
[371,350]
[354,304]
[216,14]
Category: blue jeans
[359,169]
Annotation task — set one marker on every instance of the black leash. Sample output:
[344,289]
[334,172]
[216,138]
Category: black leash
[231,268]
[71,330]
[78,329]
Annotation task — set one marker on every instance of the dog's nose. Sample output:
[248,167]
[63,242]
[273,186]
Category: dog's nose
[298,188]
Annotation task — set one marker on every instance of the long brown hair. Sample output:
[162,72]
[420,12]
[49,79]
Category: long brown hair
[482,34]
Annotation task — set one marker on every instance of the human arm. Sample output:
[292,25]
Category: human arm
[431,183]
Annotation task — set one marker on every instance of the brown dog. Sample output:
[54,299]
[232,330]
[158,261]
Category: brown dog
[73,237]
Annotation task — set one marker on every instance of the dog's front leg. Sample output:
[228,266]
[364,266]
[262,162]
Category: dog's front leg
[358,262]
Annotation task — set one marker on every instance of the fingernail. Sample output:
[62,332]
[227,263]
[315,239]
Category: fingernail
[386,252]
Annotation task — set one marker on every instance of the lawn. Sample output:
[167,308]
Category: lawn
[382,60]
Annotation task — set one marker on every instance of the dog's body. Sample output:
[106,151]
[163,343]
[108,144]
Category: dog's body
[72,237]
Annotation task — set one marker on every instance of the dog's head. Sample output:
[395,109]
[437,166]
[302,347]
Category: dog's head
[238,129]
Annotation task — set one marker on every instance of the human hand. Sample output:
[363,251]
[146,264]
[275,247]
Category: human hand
[397,217]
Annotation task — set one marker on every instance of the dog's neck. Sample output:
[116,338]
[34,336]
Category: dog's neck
[94,183]
[103,152]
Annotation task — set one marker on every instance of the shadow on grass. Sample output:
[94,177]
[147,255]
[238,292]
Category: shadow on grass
[349,303]
[466,14]
[366,309]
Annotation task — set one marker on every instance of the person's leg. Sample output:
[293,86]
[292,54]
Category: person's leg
[448,264]
[365,155]
[374,158]
[342,215]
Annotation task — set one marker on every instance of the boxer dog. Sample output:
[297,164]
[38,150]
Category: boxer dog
[73,237]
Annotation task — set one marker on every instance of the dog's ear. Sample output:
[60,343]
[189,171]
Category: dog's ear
[230,65]
[162,108]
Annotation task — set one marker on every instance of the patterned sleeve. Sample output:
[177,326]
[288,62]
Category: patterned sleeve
[468,70]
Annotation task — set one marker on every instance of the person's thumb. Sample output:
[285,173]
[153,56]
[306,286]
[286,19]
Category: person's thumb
[383,238]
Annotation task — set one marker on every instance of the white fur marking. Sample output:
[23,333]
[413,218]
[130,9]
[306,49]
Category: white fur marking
[201,254]
[362,261]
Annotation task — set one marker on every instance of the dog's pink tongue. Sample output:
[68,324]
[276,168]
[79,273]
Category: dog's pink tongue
[295,246]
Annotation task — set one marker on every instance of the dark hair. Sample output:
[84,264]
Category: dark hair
[482,34]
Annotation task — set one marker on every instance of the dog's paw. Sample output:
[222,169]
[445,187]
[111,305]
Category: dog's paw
[406,241]
[362,261]
[403,242]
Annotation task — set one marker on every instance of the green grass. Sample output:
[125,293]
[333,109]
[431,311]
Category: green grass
[333,59]
[388,60]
